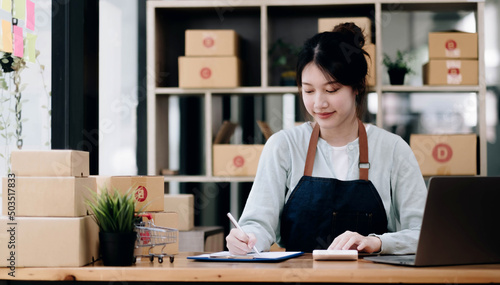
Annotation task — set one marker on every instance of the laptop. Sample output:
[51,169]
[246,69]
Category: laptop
[461,224]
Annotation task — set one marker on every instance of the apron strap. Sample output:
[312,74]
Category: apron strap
[364,164]
[311,151]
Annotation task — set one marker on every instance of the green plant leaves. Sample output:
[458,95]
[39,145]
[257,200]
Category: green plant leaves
[113,211]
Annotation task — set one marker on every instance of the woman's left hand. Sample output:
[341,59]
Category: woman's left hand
[353,240]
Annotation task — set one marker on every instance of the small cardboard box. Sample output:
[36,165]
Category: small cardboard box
[211,43]
[327,25]
[444,45]
[48,242]
[371,78]
[47,196]
[235,159]
[183,205]
[209,72]
[445,154]
[50,163]
[165,220]
[451,72]
[149,190]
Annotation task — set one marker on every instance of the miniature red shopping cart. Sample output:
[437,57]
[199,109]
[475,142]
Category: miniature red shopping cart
[149,235]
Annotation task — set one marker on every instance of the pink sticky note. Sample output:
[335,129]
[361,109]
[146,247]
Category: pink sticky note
[18,41]
[30,15]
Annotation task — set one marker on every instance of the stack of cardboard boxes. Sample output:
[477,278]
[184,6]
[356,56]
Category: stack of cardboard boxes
[327,25]
[211,60]
[44,219]
[148,191]
[191,238]
[452,59]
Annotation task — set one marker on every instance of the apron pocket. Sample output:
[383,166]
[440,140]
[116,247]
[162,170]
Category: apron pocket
[360,222]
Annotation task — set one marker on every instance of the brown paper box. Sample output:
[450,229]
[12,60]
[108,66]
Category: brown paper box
[209,72]
[444,45]
[451,72]
[149,190]
[211,43]
[236,159]
[183,205]
[445,154]
[165,220]
[50,163]
[327,25]
[48,196]
[44,242]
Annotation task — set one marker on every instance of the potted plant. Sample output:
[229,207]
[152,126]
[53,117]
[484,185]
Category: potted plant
[115,215]
[397,68]
[284,58]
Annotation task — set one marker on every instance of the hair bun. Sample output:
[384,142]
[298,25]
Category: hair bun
[351,32]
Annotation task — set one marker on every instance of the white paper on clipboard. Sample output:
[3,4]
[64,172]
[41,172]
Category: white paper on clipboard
[264,256]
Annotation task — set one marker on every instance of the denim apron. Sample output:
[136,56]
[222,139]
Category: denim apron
[320,209]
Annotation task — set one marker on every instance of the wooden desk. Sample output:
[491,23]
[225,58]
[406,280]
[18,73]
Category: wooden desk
[301,269]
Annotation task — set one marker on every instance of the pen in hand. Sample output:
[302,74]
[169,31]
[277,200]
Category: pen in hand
[235,223]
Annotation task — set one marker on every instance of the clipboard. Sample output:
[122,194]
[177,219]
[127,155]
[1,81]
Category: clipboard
[225,256]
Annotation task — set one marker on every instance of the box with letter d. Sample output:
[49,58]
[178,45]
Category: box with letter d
[445,154]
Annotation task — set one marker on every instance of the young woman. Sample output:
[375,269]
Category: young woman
[334,183]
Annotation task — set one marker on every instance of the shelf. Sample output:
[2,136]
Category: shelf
[259,23]
[239,90]
[215,179]
[427,88]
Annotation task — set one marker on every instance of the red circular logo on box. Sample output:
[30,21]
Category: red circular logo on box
[238,161]
[442,153]
[450,45]
[453,71]
[205,73]
[141,194]
[208,42]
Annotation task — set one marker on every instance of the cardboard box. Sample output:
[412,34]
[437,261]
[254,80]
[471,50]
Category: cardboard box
[452,45]
[445,154]
[211,43]
[44,242]
[202,239]
[165,220]
[451,72]
[183,205]
[50,163]
[209,72]
[371,78]
[327,25]
[149,190]
[235,159]
[48,196]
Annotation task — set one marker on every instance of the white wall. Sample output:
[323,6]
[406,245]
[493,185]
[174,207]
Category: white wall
[117,87]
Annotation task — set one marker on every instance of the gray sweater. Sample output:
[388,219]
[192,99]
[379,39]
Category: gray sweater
[393,168]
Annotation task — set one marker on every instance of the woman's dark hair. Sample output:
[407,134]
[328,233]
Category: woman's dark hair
[340,55]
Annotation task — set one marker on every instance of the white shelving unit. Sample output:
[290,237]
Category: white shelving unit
[264,12]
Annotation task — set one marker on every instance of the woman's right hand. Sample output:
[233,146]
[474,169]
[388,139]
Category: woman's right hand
[240,243]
